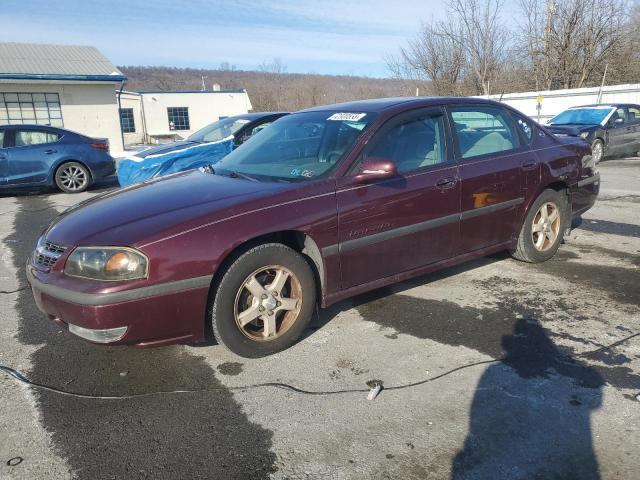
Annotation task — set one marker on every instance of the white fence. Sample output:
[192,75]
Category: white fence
[555,101]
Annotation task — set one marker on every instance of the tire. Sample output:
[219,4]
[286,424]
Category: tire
[597,146]
[72,177]
[271,325]
[537,246]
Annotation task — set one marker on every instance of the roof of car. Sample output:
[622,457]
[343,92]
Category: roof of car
[34,125]
[257,115]
[61,131]
[379,104]
[607,105]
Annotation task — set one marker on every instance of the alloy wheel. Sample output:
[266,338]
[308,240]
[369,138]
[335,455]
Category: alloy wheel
[546,226]
[597,152]
[268,303]
[73,178]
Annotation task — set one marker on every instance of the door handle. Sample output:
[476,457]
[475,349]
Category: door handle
[447,182]
[2,157]
[50,151]
[529,166]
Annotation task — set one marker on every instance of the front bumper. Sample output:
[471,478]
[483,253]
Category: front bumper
[161,314]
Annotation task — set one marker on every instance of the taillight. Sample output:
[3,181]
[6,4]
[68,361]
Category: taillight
[101,145]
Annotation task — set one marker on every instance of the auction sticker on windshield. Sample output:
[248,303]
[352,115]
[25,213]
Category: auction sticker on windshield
[352,117]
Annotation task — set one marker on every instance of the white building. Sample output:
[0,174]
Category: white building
[77,88]
[152,116]
[73,87]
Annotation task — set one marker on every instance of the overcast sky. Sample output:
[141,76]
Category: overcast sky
[324,36]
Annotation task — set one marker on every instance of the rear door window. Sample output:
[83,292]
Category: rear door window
[482,130]
[1,138]
[26,138]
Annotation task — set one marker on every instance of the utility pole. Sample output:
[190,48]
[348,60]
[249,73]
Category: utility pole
[551,11]
[604,76]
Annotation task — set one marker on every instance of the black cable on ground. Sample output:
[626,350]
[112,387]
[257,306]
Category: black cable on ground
[283,386]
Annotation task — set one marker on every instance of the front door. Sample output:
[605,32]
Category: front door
[618,131]
[33,153]
[492,158]
[400,224]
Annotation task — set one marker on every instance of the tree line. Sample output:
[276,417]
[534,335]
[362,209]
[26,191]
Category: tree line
[270,88]
[481,47]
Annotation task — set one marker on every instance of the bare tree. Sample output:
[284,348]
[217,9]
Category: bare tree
[462,54]
[479,33]
[570,41]
[433,60]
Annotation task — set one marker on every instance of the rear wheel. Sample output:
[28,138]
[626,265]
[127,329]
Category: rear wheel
[264,301]
[72,177]
[543,228]
[597,150]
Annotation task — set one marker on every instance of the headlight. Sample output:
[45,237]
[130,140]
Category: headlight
[584,135]
[107,263]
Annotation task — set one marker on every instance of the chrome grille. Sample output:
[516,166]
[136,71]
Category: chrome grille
[47,253]
[53,248]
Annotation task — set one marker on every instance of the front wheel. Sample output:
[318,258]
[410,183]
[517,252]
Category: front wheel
[72,177]
[264,301]
[543,228]
[597,150]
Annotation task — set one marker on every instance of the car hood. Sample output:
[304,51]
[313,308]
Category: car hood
[573,130]
[146,212]
[164,148]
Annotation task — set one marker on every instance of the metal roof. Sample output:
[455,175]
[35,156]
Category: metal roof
[55,62]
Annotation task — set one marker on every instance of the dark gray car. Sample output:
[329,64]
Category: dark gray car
[612,129]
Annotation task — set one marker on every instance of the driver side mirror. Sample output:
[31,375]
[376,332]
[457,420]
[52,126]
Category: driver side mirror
[618,121]
[376,169]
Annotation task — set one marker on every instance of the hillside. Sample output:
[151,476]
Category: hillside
[269,89]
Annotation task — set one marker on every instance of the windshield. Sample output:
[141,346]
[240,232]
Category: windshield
[218,130]
[298,147]
[581,116]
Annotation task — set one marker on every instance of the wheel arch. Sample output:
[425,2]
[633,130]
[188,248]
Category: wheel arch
[558,186]
[297,240]
[59,163]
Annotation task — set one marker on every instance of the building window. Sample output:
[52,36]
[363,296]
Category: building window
[178,118]
[126,120]
[30,108]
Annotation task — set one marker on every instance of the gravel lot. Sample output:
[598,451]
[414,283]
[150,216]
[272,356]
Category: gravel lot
[556,405]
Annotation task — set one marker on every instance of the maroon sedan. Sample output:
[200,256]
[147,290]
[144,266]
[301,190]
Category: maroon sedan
[323,204]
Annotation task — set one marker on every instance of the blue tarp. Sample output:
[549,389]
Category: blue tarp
[136,169]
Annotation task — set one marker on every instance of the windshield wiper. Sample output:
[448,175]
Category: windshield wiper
[233,174]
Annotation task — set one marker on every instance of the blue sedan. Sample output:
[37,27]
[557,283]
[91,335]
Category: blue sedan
[42,156]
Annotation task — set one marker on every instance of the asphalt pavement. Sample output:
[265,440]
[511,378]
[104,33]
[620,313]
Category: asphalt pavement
[544,398]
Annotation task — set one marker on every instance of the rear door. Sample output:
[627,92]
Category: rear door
[402,223]
[4,157]
[33,153]
[492,160]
